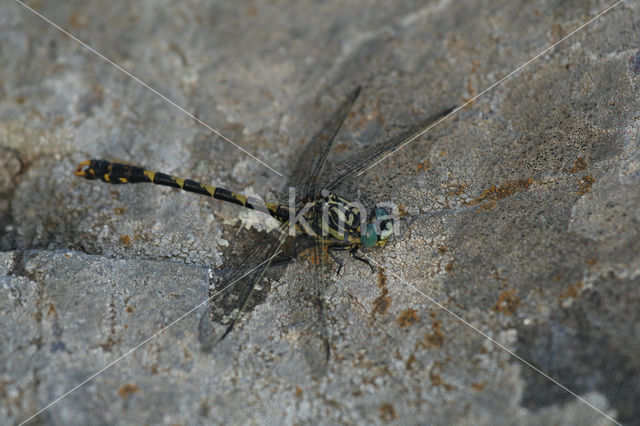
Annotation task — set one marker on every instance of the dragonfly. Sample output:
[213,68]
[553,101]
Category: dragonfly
[315,213]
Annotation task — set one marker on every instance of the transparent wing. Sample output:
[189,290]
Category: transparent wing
[310,317]
[370,156]
[316,340]
[309,169]
[240,289]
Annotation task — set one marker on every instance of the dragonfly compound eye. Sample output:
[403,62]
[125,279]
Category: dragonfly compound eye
[386,229]
[370,236]
[384,223]
[378,229]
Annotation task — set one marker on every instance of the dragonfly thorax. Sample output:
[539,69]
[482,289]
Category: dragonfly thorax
[332,219]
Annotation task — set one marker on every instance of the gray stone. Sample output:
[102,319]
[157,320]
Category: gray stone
[519,214]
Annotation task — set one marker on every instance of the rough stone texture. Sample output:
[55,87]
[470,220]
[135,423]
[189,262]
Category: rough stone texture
[520,214]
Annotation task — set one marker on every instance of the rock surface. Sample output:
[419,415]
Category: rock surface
[519,215]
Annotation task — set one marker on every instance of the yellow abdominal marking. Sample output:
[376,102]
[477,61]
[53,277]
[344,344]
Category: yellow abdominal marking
[210,189]
[240,198]
[178,181]
[150,175]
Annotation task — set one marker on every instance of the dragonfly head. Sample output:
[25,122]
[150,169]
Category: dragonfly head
[378,229]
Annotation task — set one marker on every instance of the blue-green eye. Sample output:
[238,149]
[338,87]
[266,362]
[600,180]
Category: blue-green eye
[370,237]
[380,219]
[387,230]
[381,214]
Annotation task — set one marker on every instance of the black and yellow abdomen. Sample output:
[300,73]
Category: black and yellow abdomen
[116,173]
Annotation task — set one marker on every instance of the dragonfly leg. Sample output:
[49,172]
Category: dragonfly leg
[354,253]
[335,258]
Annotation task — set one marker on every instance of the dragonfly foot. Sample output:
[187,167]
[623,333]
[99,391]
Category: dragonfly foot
[354,253]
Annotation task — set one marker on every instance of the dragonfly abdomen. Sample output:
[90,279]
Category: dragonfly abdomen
[116,173]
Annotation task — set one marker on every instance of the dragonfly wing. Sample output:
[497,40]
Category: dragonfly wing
[309,170]
[306,322]
[356,165]
[234,293]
